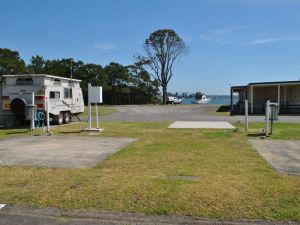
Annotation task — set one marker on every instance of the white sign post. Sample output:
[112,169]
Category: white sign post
[33,112]
[94,96]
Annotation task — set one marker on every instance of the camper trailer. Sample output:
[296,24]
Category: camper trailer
[64,96]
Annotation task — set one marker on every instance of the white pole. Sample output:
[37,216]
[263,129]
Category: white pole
[246,115]
[90,107]
[33,111]
[97,120]
[48,116]
[267,118]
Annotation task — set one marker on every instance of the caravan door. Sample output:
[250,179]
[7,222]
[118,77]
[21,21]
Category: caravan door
[54,100]
[78,105]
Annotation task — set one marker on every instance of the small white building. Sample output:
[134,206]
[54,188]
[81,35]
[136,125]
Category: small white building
[285,93]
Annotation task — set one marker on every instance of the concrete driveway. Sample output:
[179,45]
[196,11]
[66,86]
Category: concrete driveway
[284,156]
[58,151]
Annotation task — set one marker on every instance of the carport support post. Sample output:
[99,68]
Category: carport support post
[246,115]
[90,107]
[251,98]
[267,118]
[231,99]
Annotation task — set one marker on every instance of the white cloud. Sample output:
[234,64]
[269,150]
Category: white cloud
[274,39]
[105,46]
[221,32]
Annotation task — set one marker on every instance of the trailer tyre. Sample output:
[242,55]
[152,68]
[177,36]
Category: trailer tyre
[60,119]
[66,117]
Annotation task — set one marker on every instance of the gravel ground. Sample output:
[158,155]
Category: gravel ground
[179,113]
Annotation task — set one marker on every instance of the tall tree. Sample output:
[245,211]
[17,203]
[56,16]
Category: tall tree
[163,49]
[11,62]
[118,79]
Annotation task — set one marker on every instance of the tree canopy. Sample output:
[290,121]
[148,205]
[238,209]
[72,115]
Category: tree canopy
[121,84]
[10,62]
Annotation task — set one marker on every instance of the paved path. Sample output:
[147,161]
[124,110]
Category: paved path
[58,151]
[27,216]
[284,156]
[180,113]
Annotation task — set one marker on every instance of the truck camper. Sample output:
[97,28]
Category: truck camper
[64,96]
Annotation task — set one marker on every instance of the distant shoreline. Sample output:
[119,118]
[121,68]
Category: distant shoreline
[215,100]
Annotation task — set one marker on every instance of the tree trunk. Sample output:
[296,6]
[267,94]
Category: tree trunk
[164,90]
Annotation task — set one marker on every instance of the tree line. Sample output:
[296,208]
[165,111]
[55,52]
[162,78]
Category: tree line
[121,84]
[131,84]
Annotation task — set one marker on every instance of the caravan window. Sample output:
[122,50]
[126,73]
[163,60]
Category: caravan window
[57,82]
[71,84]
[24,81]
[67,92]
[54,95]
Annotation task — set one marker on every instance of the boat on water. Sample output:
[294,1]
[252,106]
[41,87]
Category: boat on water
[200,98]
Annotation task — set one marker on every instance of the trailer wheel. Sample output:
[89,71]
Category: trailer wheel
[66,117]
[59,119]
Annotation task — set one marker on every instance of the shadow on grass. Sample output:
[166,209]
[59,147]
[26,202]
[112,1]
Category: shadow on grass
[256,135]
[19,132]
[223,108]
[69,132]
[15,130]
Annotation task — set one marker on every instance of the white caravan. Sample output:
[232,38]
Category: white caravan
[64,95]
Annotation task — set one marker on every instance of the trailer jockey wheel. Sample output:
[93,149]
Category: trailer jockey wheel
[66,117]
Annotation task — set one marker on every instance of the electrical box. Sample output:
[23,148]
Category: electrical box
[95,94]
[274,112]
[30,112]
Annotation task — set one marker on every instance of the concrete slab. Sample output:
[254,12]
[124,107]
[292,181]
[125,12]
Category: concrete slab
[200,125]
[283,156]
[59,151]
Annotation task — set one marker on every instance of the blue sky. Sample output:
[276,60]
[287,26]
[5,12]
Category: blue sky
[232,41]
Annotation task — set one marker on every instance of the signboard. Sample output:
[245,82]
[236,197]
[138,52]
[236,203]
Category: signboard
[95,94]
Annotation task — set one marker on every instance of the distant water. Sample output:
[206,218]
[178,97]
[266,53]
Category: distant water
[214,100]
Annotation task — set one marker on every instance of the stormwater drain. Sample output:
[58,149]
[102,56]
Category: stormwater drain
[187,178]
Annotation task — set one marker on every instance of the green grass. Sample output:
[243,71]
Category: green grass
[281,131]
[234,181]
[102,109]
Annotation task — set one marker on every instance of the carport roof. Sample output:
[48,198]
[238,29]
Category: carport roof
[265,83]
